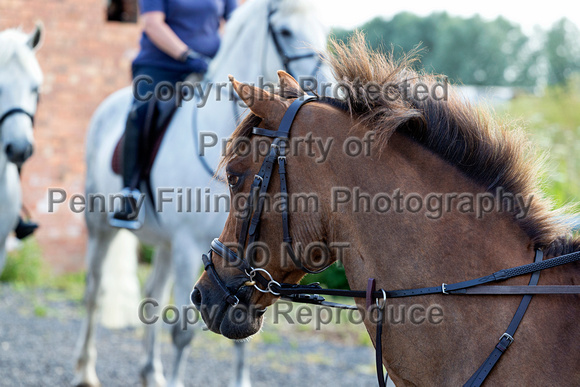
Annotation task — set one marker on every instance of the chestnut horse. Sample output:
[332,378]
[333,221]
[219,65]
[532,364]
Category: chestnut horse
[423,145]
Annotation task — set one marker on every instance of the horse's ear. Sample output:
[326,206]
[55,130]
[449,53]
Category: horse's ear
[263,104]
[35,37]
[289,87]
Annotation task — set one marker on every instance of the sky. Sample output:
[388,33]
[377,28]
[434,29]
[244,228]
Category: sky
[349,13]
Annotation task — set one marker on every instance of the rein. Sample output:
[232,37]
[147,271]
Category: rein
[311,293]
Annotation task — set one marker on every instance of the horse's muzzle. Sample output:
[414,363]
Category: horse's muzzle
[18,151]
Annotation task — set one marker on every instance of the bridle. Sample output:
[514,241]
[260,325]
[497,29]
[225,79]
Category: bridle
[288,59]
[250,230]
[16,110]
[252,276]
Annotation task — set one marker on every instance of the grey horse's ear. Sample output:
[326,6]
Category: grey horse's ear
[35,38]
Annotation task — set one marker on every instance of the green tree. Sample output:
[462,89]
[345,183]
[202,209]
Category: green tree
[468,50]
[562,51]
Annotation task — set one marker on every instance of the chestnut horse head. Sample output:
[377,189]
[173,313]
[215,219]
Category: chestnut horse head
[405,182]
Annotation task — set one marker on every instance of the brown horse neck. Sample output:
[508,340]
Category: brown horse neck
[404,247]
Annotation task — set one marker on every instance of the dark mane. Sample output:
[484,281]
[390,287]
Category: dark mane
[491,153]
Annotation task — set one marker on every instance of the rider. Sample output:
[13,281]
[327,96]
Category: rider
[178,40]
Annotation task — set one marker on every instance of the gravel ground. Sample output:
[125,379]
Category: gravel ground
[38,332]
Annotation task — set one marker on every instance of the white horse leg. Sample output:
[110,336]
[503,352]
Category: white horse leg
[2,253]
[99,241]
[157,288]
[242,373]
[186,265]
[10,204]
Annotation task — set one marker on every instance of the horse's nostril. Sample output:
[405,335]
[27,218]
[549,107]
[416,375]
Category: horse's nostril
[196,298]
[9,150]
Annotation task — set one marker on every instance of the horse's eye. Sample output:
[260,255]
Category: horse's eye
[233,180]
[34,89]
[285,32]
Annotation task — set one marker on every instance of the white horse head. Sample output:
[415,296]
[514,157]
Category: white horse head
[285,34]
[20,79]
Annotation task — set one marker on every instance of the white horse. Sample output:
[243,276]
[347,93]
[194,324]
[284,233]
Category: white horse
[20,79]
[261,37]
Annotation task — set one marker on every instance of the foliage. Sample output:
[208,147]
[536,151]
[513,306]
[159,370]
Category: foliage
[553,123]
[562,51]
[146,253]
[25,269]
[332,278]
[24,266]
[478,52]
[71,284]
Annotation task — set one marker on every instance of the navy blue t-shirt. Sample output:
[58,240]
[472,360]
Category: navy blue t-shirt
[196,22]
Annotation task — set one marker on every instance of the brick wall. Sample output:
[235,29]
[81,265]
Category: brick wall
[84,58]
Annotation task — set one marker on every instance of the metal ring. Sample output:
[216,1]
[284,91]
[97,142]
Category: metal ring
[384,300]
[253,274]
[262,270]
[270,287]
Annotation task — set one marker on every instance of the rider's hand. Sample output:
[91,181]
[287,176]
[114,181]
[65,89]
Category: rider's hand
[194,62]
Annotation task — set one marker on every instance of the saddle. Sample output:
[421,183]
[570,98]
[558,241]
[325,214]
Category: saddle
[156,120]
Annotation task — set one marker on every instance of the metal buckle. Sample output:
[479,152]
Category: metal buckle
[508,337]
[259,178]
[237,300]
[443,288]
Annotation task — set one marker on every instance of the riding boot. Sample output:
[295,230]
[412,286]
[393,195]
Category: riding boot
[24,228]
[127,216]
